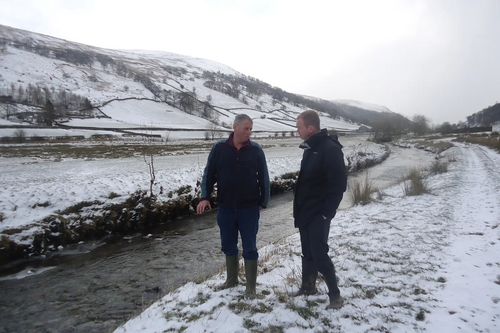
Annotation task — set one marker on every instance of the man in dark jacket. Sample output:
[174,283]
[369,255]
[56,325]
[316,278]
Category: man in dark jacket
[239,168]
[320,186]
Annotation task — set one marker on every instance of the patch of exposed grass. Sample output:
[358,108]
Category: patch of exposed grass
[441,280]
[249,324]
[41,204]
[490,140]
[420,315]
[202,298]
[438,167]
[239,307]
[361,191]
[304,312]
[94,149]
[261,308]
[498,280]
[182,329]
[437,146]
[78,207]
[274,329]
[414,183]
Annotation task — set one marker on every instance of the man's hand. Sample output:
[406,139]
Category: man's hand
[203,205]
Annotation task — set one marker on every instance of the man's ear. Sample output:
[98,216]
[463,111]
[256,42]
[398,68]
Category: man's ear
[234,127]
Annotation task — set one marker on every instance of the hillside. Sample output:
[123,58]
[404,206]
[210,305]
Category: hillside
[134,89]
[485,117]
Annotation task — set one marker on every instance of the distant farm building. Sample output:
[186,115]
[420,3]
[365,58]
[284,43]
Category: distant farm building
[495,127]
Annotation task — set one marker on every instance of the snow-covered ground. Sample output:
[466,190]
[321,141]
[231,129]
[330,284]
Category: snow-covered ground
[406,264]
[34,188]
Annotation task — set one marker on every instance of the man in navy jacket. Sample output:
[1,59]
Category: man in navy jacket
[318,192]
[239,168]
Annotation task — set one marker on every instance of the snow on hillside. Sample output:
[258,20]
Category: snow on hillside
[153,114]
[362,105]
[117,74]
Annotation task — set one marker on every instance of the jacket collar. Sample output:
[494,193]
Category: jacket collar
[230,141]
[314,139]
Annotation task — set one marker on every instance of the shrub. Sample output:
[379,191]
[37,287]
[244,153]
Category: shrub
[438,167]
[20,135]
[414,183]
[492,141]
[361,191]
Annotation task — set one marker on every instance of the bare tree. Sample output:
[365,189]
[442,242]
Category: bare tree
[212,130]
[20,135]
[148,154]
[10,110]
[420,124]
[49,114]
[150,148]
[20,93]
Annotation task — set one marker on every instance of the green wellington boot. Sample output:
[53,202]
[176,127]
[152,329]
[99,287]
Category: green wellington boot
[251,275]
[232,266]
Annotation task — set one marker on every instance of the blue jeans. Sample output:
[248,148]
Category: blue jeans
[246,221]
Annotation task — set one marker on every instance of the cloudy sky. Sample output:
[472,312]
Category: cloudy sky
[437,58]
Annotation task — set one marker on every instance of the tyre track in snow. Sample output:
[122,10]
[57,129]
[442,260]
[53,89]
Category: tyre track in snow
[470,297]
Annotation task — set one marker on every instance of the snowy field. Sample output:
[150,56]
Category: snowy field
[405,263]
[34,188]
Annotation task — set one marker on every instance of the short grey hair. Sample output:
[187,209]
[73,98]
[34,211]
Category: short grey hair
[240,118]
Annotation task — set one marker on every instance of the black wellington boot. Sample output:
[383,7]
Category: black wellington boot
[336,301]
[309,277]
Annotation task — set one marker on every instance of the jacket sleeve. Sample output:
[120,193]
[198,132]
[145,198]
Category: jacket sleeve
[336,180]
[209,175]
[263,180]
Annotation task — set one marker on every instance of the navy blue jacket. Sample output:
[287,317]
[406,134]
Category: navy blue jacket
[241,175]
[322,179]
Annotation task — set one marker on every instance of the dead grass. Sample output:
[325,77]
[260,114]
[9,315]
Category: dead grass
[436,147]
[361,191]
[95,149]
[490,140]
[414,183]
[438,167]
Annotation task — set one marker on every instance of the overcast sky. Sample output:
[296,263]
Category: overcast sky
[438,58]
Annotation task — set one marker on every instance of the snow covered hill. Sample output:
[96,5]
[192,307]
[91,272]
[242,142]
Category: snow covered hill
[130,89]
[361,105]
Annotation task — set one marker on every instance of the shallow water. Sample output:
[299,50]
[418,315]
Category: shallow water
[95,287]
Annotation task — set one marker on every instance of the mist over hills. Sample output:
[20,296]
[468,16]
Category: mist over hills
[130,89]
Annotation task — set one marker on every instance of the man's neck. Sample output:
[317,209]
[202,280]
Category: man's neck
[310,136]
[237,143]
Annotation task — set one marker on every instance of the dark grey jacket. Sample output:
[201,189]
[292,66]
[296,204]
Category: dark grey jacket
[322,179]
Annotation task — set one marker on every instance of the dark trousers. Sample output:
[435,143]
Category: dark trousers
[314,242]
[246,222]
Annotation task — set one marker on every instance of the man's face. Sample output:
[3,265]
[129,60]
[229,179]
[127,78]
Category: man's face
[304,132]
[243,130]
